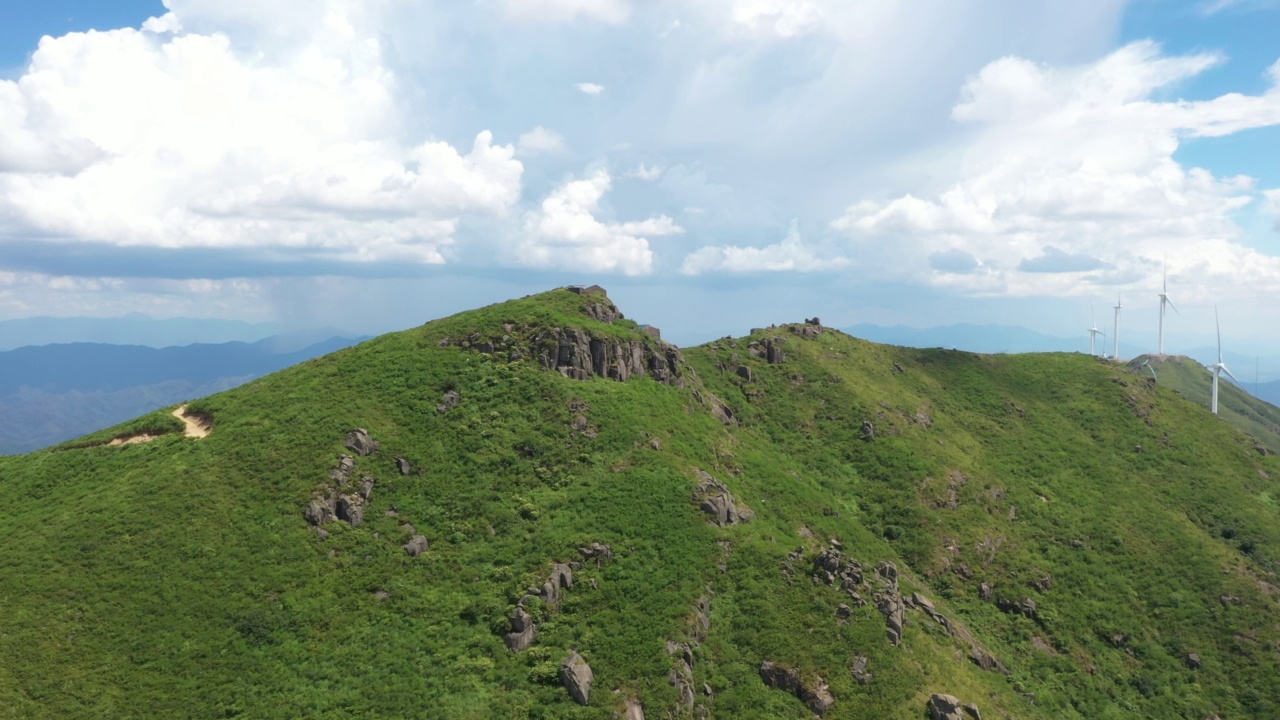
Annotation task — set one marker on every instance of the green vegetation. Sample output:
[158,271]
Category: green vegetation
[178,578]
[1236,407]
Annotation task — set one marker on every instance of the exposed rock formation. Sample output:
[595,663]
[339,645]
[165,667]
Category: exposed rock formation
[522,630]
[416,545]
[359,442]
[580,355]
[351,509]
[816,696]
[403,466]
[598,552]
[947,707]
[770,350]
[632,710]
[448,402]
[577,677]
[859,670]
[716,500]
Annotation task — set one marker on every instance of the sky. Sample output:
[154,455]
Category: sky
[716,164]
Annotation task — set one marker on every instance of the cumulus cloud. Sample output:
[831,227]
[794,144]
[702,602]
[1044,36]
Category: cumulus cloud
[540,141]
[175,136]
[565,232]
[1072,169]
[791,254]
[646,173]
[589,88]
[777,18]
[954,260]
[605,11]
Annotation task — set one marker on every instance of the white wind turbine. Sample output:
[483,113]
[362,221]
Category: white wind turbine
[1219,368]
[1164,300]
[1115,334]
[1094,332]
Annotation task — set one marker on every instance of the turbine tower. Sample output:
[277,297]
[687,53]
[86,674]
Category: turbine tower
[1164,300]
[1221,367]
[1094,332]
[1115,334]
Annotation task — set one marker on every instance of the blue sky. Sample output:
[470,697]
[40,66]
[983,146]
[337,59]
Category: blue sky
[717,164]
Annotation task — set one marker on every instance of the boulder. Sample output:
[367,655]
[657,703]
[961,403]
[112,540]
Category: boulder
[576,675]
[403,466]
[366,488]
[342,474]
[817,696]
[350,509]
[632,710]
[859,670]
[1193,661]
[359,442]
[890,603]
[448,402]
[744,372]
[599,552]
[561,576]
[715,499]
[944,707]
[416,545]
[318,512]
[522,631]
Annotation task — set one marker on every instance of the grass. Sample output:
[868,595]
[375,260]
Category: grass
[177,578]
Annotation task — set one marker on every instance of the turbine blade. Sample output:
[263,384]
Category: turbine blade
[1166,299]
[1218,325]
[1233,377]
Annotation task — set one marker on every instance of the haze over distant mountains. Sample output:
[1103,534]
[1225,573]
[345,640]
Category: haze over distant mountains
[131,329]
[52,393]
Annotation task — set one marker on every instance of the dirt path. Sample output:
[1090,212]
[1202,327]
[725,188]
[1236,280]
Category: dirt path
[196,428]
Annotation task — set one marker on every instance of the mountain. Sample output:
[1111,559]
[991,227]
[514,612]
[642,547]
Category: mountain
[981,339]
[132,329]
[53,393]
[545,505]
[1269,392]
[1193,381]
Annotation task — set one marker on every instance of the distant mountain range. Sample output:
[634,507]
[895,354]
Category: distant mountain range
[52,393]
[131,329]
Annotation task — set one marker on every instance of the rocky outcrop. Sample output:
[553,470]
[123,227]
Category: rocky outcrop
[815,695]
[577,677]
[600,553]
[632,710]
[448,401]
[890,604]
[580,355]
[714,498]
[351,509]
[522,630]
[947,707]
[859,671]
[416,546]
[403,466]
[359,442]
[770,350]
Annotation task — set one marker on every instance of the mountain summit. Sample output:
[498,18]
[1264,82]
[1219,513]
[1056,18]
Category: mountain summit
[540,509]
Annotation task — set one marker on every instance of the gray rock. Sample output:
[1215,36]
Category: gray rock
[359,442]
[561,576]
[744,372]
[416,546]
[859,670]
[599,552]
[1193,661]
[577,677]
[322,533]
[448,402]
[632,710]
[342,474]
[350,509]
[318,512]
[522,630]
[817,696]
[403,466]
[973,711]
[944,707]
[715,499]
[366,488]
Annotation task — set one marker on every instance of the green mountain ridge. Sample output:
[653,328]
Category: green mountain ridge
[762,527]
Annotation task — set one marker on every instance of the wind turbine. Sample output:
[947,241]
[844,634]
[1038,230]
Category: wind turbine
[1094,332]
[1221,367]
[1164,300]
[1115,335]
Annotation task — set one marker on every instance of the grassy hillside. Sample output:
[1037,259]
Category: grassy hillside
[1070,523]
[1236,407]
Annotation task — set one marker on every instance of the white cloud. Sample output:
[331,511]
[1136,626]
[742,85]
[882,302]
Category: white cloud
[178,138]
[643,172]
[777,18]
[565,232]
[791,254]
[589,88]
[540,141]
[1072,170]
[606,11]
